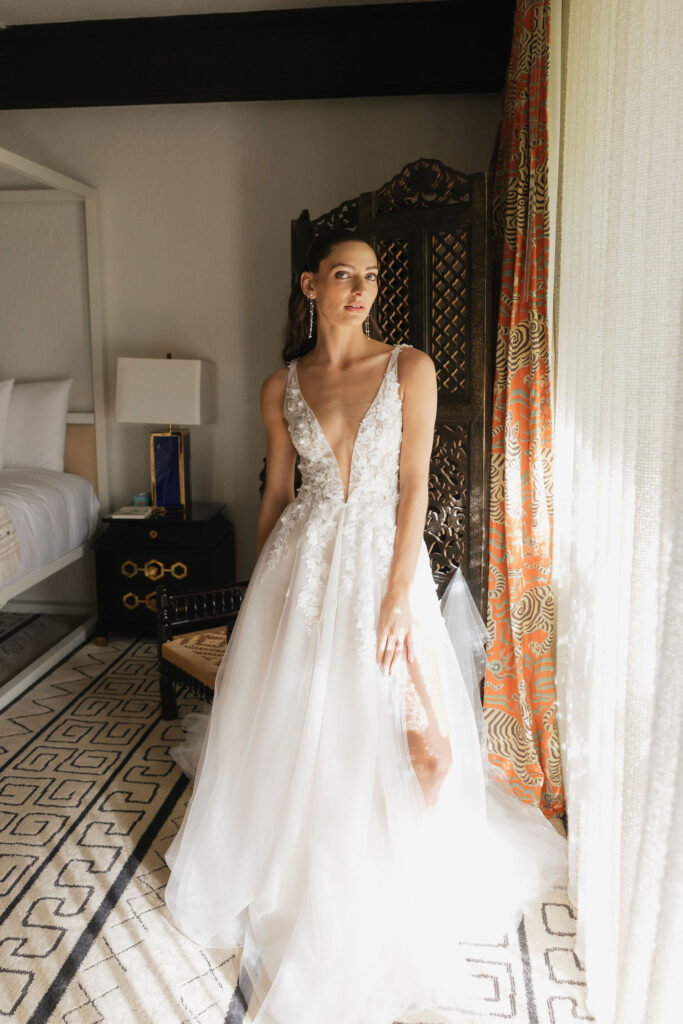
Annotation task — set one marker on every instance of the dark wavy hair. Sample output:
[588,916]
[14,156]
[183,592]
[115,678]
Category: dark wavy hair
[296,340]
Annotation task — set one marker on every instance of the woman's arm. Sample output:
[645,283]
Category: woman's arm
[280,457]
[418,375]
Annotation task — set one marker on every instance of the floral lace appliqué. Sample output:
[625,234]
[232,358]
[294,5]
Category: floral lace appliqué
[364,525]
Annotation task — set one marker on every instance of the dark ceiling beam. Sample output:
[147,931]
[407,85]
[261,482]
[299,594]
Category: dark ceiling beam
[448,46]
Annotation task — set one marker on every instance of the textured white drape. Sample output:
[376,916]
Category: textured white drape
[618,563]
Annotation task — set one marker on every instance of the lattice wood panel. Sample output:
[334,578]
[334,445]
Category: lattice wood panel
[449,278]
[394,294]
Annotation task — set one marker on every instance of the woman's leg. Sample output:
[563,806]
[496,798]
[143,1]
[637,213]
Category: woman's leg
[426,720]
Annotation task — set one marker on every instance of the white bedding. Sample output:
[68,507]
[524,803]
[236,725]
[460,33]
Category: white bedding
[52,513]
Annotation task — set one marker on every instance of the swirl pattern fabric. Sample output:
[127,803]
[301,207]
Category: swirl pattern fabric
[519,689]
[346,824]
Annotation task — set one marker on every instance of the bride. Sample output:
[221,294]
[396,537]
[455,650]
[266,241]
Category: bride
[346,828]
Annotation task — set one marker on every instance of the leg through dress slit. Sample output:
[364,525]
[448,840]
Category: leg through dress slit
[426,721]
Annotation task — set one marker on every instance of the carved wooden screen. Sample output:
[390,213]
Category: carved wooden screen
[430,226]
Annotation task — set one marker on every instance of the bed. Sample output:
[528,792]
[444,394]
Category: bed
[53,511]
[53,514]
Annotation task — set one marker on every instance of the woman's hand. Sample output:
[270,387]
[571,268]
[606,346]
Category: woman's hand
[394,628]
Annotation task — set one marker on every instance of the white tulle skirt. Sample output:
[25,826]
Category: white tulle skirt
[308,841]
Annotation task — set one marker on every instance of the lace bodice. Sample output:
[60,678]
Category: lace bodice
[373,475]
[366,521]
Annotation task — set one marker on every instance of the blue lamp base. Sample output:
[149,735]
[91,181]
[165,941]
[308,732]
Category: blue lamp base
[170,469]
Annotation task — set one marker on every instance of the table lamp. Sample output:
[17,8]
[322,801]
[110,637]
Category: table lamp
[173,391]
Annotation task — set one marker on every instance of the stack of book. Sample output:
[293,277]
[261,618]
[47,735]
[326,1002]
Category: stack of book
[132,512]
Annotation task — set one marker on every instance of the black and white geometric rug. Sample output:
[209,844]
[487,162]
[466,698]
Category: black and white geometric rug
[24,637]
[89,801]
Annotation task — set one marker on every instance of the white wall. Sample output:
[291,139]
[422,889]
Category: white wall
[196,204]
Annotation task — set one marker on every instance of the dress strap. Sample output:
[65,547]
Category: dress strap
[393,358]
[289,388]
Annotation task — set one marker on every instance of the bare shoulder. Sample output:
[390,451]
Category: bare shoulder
[416,369]
[275,382]
[273,392]
[414,360]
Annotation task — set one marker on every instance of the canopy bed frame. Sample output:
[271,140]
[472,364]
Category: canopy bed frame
[85,448]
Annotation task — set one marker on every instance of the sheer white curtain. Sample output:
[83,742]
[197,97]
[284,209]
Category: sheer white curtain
[618,563]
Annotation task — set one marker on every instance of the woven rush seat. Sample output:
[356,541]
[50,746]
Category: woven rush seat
[193,630]
[198,653]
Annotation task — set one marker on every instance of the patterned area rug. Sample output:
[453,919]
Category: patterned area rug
[89,801]
[23,638]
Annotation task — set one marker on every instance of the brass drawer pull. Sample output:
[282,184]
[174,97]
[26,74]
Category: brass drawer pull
[154,569]
[132,601]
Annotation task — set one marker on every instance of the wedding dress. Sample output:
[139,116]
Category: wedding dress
[309,840]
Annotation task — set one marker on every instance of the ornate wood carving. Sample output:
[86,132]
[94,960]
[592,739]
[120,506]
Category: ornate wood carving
[446,529]
[431,227]
[421,184]
[343,216]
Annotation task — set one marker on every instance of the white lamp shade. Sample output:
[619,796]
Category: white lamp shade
[179,391]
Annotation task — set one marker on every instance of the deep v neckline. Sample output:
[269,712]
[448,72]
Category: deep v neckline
[358,429]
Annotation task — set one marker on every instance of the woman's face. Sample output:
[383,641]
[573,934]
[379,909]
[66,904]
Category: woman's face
[345,285]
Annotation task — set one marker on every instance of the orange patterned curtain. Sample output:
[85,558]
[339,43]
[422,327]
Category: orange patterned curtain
[519,689]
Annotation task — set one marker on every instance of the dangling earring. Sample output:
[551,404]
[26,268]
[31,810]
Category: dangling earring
[311,306]
[366,326]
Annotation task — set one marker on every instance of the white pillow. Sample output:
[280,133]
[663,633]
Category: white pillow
[36,425]
[5,394]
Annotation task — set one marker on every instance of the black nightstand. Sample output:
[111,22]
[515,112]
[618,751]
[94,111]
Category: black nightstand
[132,556]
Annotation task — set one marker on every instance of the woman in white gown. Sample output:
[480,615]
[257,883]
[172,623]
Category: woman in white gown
[345,827]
